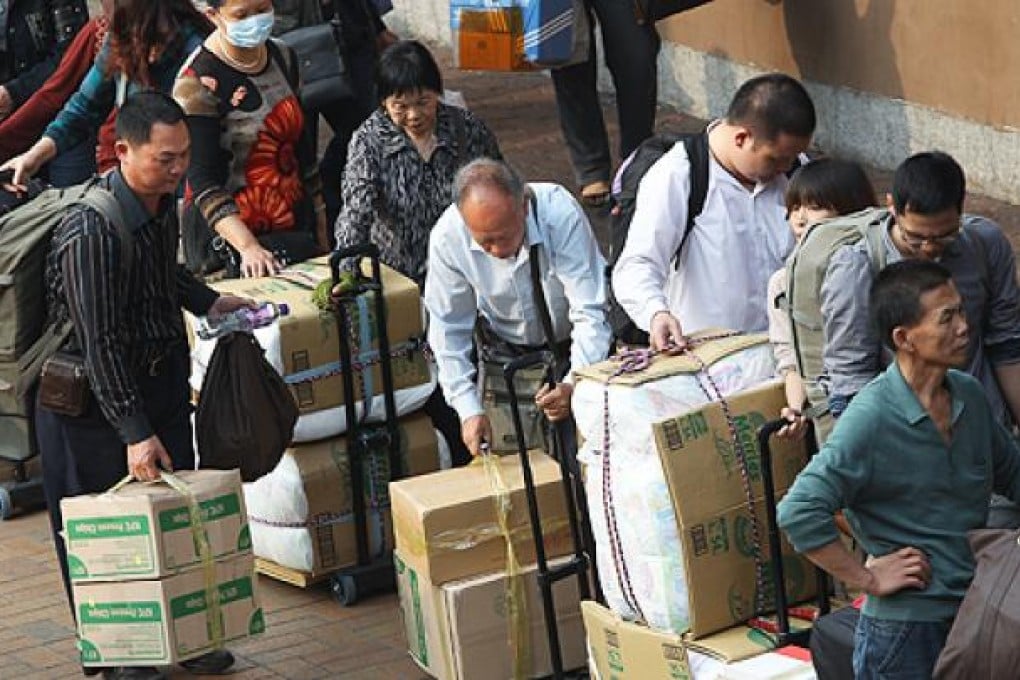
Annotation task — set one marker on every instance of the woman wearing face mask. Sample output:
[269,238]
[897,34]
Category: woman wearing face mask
[253,178]
[147,42]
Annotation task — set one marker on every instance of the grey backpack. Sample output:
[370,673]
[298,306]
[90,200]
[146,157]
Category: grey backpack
[25,341]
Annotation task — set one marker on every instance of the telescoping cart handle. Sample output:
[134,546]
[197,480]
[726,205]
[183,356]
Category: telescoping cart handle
[358,446]
[576,566]
[784,635]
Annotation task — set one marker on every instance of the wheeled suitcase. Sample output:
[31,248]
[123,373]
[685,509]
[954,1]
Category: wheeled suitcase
[371,574]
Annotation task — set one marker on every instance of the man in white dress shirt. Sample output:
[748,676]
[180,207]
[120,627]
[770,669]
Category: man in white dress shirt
[479,269]
[741,236]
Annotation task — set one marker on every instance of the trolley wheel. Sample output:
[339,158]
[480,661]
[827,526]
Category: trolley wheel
[345,589]
[6,504]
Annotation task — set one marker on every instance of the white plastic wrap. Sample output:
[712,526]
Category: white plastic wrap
[279,498]
[644,517]
[317,424]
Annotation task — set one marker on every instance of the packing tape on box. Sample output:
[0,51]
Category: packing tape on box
[516,599]
[213,615]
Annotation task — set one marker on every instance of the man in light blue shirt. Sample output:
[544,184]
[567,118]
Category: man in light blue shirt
[479,269]
[913,460]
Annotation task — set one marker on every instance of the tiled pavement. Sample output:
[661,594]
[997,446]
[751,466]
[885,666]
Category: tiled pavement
[309,635]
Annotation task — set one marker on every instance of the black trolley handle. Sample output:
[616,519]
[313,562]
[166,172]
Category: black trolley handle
[784,635]
[356,447]
[578,565]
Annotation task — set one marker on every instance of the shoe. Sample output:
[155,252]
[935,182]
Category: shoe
[596,194]
[216,662]
[133,673]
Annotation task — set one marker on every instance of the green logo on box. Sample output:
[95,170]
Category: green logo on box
[107,527]
[120,612]
[212,510]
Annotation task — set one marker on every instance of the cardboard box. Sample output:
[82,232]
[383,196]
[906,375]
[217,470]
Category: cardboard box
[460,630]
[704,476]
[144,531]
[156,623]
[622,650]
[446,524]
[308,340]
[322,471]
[488,38]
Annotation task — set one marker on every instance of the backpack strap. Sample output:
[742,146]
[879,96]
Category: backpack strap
[698,155]
[538,290]
[284,57]
[874,236]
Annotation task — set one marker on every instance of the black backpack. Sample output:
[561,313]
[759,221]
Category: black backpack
[625,200]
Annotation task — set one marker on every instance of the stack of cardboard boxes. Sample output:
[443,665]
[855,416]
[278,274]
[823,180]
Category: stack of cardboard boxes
[301,513]
[146,590]
[720,535]
[456,593]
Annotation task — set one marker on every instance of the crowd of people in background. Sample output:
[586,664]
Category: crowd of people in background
[172,104]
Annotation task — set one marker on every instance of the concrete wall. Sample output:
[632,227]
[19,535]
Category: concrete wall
[889,77]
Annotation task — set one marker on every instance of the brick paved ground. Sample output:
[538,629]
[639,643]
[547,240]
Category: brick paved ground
[308,635]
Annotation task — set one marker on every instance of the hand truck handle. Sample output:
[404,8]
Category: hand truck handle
[369,250]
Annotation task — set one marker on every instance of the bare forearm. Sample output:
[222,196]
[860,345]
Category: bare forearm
[835,559]
[235,232]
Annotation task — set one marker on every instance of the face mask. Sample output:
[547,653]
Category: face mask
[251,31]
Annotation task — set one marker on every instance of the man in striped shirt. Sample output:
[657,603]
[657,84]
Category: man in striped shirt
[127,328]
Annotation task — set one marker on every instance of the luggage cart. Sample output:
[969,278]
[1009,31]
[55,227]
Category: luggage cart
[784,635]
[369,575]
[17,446]
[565,453]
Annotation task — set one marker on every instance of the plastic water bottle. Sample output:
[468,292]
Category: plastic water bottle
[243,320]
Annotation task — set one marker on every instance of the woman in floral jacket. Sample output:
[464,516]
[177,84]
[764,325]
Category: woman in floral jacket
[253,177]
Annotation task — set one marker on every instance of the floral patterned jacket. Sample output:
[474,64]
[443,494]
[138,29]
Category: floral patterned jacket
[251,152]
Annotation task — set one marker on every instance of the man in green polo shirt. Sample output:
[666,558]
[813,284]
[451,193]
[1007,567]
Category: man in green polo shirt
[913,460]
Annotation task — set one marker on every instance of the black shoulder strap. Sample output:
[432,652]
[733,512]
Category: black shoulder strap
[538,290]
[698,155]
[285,58]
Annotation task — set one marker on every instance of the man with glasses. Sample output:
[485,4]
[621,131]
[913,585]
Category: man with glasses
[926,221]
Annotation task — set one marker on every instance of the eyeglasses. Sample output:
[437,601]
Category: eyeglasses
[916,241]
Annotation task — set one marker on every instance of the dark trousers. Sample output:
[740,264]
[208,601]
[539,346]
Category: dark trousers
[345,117]
[630,51]
[85,455]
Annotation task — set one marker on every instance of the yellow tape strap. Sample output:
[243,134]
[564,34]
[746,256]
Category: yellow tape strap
[518,623]
[213,613]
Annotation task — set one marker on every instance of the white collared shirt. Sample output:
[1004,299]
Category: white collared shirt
[464,281]
[740,238]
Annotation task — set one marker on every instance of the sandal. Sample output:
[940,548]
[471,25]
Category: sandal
[596,194]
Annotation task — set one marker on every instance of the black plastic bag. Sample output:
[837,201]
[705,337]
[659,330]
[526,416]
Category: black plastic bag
[246,414]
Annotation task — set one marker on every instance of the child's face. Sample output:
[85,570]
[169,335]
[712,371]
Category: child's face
[804,216]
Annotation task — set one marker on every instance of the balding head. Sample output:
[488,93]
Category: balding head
[491,199]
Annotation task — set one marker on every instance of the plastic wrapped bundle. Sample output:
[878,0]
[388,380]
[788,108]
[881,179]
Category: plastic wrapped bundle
[646,580]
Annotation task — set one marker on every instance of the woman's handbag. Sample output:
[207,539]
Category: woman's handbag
[322,62]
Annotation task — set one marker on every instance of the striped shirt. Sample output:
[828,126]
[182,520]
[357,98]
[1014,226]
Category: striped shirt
[123,321]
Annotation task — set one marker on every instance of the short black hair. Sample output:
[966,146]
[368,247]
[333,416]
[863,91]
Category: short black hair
[407,66]
[896,294]
[141,111]
[928,183]
[830,183]
[771,105]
